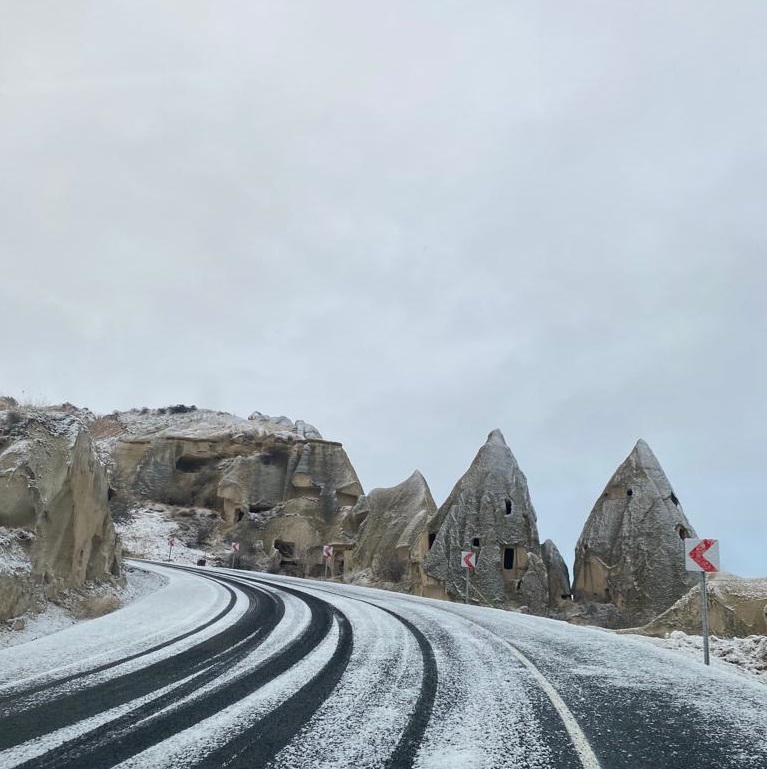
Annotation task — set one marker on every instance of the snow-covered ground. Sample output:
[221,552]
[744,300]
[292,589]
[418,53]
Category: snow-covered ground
[147,535]
[437,685]
[744,655]
[56,617]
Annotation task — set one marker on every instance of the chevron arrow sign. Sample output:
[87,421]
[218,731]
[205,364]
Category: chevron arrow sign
[701,555]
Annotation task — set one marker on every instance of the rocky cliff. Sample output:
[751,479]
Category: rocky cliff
[55,527]
[281,490]
[630,554]
[489,510]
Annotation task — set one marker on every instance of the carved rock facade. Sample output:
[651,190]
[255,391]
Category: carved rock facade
[282,490]
[489,510]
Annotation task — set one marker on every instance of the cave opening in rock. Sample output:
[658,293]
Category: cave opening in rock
[674,499]
[287,551]
[432,537]
[475,542]
[508,557]
[508,506]
[191,464]
[630,493]
[682,532]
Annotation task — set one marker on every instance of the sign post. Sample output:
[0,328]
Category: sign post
[235,549]
[468,562]
[702,555]
[327,552]
[171,542]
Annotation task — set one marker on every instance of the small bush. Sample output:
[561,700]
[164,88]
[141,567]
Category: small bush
[13,418]
[181,409]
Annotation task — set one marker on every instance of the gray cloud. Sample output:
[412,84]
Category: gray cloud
[408,223]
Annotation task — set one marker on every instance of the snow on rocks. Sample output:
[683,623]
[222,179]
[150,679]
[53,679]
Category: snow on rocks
[147,533]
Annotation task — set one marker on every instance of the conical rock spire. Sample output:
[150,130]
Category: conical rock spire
[489,509]
[631,551]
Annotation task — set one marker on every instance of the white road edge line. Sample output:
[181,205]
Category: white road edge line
[579,740]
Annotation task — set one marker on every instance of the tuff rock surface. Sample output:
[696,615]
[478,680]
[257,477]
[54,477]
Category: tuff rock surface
[489,509]
[392,539]
[55,528]
[281,490]
[630,554]
[558,574]
[737,607]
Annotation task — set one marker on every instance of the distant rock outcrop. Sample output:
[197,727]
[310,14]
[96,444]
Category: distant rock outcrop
[489,510]
[631,551]
[392,539]
[737,607]
[55,528]
[282,487]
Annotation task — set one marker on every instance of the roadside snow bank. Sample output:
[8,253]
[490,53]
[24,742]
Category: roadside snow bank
[745,655]
[76,606]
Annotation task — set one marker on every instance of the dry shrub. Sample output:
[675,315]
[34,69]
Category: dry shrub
[96,606]
[105,427]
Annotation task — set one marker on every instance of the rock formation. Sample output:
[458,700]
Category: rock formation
[558,573]
[631,551]
[489,510]
[392,539]
[282,489]
[737,607]
[55,527]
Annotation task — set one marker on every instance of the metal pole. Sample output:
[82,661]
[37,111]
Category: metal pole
[170,550]
[467,585]
[326,569]
[704,612]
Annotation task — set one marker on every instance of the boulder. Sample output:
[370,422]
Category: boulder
[55,527]
[392,539]
[631,551]
[489,510]
[736,608]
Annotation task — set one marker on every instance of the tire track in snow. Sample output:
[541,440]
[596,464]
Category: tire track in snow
[377,714]
[508,731]
[200,664]
[23,697]
[255,747]
[160,719]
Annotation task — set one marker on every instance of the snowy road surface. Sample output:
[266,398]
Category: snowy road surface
[237,669]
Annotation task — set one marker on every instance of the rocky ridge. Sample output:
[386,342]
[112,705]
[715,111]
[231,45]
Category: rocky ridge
[282,491]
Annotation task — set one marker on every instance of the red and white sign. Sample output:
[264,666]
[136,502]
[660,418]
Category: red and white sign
[327,551]
[468,559]
[701,555]
[171,541]
[235,547]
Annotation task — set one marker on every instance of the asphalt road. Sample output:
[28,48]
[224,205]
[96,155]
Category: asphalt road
[292,673]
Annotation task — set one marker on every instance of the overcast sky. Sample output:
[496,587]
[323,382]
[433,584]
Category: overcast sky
[407,223]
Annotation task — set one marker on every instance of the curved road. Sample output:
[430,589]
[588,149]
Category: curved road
[237,669]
